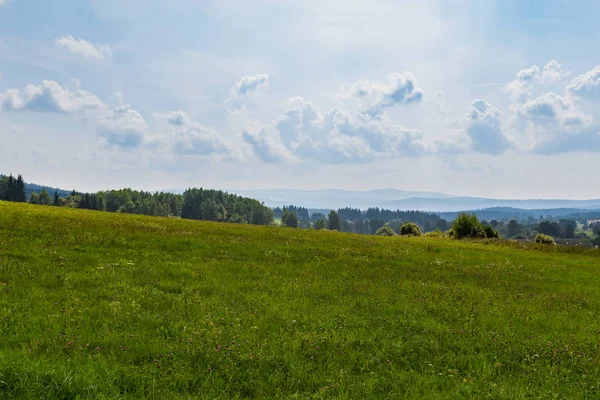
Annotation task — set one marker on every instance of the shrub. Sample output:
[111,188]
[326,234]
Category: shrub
[386,230]
[520,237]
[544,239]
[410,229]
[490,232]
[467,226]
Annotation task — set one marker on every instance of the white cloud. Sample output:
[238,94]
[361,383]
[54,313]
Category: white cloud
[123,127]
[50,97]
[187,137]
[264,147]
[401,89]
[250,84]
[199,140]
[521,88]
[556,125]
[484,128]
[553,72]
[586,85]
[338,136]
[84,48]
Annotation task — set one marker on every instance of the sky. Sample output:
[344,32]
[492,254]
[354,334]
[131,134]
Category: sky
[476,98]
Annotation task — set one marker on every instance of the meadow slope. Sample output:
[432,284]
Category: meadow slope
[99,305]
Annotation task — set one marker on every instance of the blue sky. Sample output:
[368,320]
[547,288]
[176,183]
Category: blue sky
[483,98]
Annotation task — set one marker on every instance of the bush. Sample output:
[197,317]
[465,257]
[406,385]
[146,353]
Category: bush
[491,233]
[467,226]
[544,239]
[385,230]
[410,229]
[520,237]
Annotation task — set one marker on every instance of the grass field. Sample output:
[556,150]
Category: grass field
[99,305]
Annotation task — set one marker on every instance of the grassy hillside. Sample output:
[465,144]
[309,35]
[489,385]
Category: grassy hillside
[99,305]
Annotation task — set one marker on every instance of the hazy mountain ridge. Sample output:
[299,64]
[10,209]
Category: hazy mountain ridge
[404,200]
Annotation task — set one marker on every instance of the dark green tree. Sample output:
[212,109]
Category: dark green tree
[334,222]
[289,219]
[56,200]
[20,193]
[513,228]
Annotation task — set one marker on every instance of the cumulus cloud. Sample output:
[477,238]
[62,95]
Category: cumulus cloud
[552,72]
[401,89]
[338,136]
[586,85]
[50,97]
[264,147]
[521,87]
[123,128]
[84,48]
[556,124]
[484,128]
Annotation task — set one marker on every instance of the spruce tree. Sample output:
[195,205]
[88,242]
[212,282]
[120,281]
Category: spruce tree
[20,193]
[11,188]
[56,200]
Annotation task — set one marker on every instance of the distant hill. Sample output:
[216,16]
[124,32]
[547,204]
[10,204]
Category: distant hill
[333,199]
[35,188]
[403,200]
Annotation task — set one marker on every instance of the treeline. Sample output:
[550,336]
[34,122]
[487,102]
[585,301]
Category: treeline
[374,218]
[354,220]
[12,189]
[563,228]
[201,204]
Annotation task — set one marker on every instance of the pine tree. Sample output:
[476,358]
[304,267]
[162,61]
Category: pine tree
[56,201]
[10,188]
[4,187]
[20,193]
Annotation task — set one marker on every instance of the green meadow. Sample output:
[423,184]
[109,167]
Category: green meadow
[98,305]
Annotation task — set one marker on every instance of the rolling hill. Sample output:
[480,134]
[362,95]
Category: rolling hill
[106,305]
